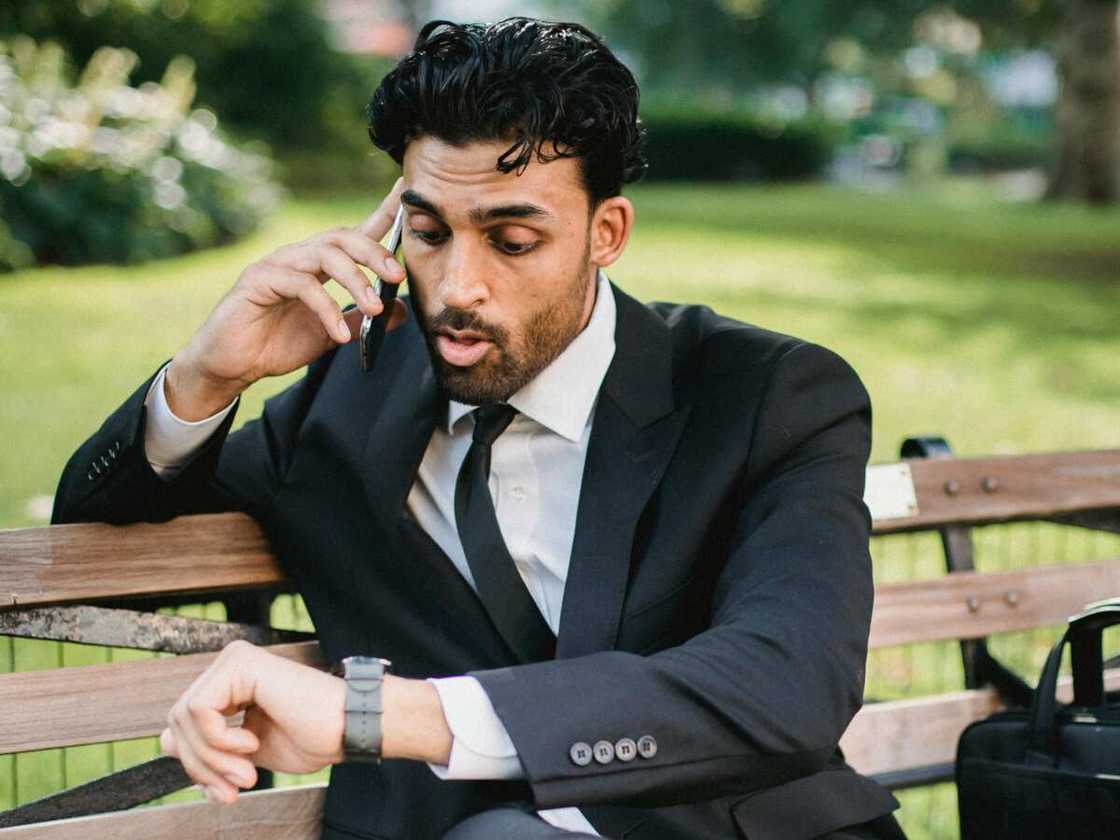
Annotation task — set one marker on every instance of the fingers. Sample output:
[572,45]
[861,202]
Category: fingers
[213,754]
[336,263]
[337,254]
[287,283]
[368,252]
[377,224]
[299,270]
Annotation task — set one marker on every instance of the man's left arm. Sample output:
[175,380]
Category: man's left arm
[763,695]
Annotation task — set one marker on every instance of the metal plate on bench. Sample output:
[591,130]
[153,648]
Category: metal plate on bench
[889,492]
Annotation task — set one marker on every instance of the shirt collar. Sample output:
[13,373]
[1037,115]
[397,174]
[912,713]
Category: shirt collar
[562,395]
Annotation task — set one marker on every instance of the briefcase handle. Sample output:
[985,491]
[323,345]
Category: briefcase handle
[1084,638]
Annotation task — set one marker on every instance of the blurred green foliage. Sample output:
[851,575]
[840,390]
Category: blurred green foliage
[916,74]
[1001,149]
[705,144]
[266,67]
[733,45]
[100,171]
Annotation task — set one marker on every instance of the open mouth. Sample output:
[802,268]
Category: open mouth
[462,348]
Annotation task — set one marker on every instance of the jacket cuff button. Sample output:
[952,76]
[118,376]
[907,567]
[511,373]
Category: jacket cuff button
[625,749]
[580,754]
[647,746]
[604,752]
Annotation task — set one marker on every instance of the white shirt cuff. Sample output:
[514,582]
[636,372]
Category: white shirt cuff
[170,442]
[480,745]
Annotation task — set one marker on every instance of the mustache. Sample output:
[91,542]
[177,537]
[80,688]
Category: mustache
[451,318]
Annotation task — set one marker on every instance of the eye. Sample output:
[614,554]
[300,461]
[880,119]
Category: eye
[514,249]
[514,240]
[428,237]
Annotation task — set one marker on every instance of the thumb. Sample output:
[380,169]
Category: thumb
[398,314]
[353,319]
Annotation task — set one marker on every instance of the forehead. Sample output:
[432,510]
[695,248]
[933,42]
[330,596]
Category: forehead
[459,178]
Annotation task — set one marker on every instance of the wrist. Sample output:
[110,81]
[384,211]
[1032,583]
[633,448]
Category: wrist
[193,396]
[336,697]
[412,721]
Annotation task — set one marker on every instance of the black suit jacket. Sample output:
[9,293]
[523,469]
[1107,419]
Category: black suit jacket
[718,598]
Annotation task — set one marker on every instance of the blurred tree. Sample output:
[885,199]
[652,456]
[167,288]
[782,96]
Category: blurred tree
[1084,37]
[1088,52]
[728,46]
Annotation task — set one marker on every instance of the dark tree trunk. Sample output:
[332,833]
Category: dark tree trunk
[1088,112]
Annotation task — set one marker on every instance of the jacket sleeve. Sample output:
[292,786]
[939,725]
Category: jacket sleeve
[109,478]
[762,695]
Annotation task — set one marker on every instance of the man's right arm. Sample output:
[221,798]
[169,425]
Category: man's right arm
[275,319]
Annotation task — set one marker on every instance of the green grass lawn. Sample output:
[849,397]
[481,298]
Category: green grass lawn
[997,326]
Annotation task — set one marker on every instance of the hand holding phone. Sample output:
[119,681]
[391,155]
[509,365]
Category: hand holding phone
[373,328]
[278,316]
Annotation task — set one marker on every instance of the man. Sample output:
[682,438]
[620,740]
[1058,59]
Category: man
[616,554]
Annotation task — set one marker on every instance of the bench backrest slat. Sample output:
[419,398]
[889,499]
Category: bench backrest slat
[221,552]
[293,813]
[971,605]
[972,491]
[90,704]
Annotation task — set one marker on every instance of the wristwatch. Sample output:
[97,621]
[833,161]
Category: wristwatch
[361,736]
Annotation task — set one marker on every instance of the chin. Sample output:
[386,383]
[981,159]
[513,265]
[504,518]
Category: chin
[479,384]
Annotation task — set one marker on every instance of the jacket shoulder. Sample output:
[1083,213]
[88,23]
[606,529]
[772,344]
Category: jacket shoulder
[710,349]
[697,324]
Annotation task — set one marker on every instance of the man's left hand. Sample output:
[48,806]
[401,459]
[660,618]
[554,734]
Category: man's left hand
[294,717]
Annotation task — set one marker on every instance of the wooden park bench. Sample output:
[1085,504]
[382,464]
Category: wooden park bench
[95,584]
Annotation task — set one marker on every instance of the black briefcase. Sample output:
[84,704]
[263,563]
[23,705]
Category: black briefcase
[1051,771]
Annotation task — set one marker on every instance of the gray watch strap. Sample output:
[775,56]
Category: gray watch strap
[361,740]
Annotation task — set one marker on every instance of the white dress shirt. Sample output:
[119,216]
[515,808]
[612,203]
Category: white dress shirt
[535,477]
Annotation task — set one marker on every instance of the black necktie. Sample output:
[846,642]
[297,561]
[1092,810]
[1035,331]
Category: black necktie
[499,585]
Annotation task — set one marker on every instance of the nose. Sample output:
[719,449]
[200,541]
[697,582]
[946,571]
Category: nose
[462,286]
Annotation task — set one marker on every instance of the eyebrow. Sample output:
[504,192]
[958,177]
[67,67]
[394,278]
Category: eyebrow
[478,215]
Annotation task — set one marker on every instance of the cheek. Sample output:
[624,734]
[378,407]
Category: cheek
[418,274]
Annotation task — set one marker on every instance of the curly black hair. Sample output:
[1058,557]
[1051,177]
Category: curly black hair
[552,89]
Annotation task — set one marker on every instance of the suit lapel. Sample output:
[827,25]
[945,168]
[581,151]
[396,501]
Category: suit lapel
[404,425]
[635,431]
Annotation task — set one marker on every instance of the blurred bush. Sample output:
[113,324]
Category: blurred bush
[104,172]
[1003,147]
[699,144]
[268,67]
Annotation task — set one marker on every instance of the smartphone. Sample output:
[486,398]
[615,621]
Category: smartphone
[373,328]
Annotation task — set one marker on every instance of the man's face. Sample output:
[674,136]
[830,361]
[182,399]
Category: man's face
[499,264]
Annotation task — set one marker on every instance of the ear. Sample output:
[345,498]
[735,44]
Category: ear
[610,229]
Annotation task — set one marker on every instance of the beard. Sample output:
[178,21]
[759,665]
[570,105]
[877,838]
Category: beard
[514,359]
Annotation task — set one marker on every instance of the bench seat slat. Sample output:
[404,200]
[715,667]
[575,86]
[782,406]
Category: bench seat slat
[899,734]
[91,704]
[88,561]
[283,814]
[970,605]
